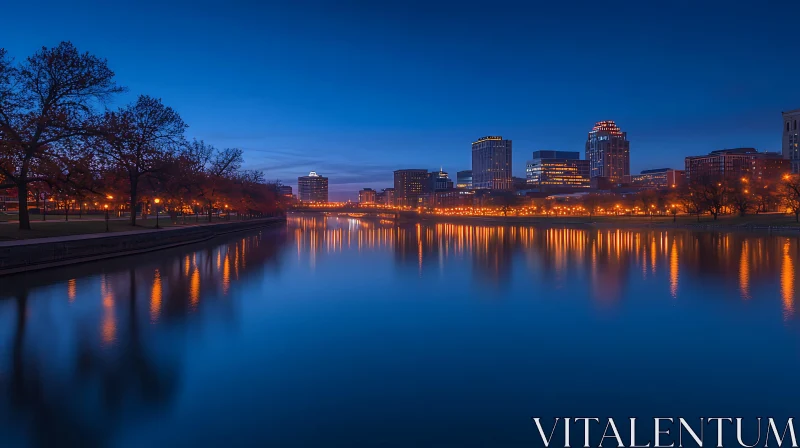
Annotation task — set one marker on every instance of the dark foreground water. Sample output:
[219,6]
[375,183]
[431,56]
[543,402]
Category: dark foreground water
[340,332]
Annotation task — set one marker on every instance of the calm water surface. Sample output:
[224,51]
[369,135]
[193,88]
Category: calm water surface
[344,332]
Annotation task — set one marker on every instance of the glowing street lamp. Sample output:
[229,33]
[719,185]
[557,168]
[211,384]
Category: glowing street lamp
[105,206]
[157,201]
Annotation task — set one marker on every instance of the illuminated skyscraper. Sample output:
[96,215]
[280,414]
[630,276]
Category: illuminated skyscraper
[491,163]
[791,139]
[312,188]
[608,153]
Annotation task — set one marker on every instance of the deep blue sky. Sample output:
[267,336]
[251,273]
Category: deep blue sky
[356,89]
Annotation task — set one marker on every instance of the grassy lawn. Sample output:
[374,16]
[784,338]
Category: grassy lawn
[56,226]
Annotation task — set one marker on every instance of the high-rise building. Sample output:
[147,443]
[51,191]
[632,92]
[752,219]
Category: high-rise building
[491,163]
[439,181]
[409,185]
[557,170]
[608,153]
[312,188]
[367,196]
[791,139]
[659,178]
[734,164]
[464,179]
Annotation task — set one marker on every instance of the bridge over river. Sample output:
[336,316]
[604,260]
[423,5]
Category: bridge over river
[361,212]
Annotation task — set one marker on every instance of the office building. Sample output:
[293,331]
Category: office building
[367,196]
[608,153]
[439,181]
[464,179]
[385,197]
[312,188]
[659,178]
[791,139]
[734,164]
[285,191]
[409,185]
[491,163]
[557,171]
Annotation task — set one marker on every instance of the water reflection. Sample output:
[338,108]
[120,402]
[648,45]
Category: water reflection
[605,258]
[73,373]
[89,352]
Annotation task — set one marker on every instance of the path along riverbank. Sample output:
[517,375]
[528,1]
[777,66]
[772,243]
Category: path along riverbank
[43,253]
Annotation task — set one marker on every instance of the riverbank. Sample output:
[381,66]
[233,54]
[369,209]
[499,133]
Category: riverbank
[767,222]
[44,253]
[56,226]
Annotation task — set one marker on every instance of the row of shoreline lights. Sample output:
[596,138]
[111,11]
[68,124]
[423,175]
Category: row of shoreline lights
[111,198]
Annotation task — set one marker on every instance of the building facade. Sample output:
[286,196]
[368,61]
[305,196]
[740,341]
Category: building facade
[439,181]
[557,170]
[385,197]
[734,164]
[464,179]
[367,196]
[312,188]
[608,153]
[409,186]
[286,191]
[659,178]
[791,139]
[491,163]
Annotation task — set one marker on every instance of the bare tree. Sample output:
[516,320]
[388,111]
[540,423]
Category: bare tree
[741,199]
[692,202]
[140,138]
[46,100]
[218,170]
[789,194]
[714,196]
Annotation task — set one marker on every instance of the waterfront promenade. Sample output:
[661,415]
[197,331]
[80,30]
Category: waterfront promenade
[41,253]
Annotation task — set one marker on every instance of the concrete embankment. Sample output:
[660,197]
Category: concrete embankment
[43,253]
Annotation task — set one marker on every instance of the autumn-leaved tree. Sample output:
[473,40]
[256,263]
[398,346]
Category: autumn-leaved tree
[46,100]
[139,139]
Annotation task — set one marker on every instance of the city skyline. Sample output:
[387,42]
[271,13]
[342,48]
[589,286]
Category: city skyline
[302,89]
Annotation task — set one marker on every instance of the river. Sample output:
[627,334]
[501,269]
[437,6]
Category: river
[347,332]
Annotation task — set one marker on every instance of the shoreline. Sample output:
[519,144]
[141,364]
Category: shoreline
[607,222]
[45,253]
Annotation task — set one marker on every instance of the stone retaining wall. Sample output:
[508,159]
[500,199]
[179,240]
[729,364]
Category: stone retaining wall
[30,255]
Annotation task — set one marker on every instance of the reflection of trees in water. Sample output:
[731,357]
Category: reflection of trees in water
[124,359]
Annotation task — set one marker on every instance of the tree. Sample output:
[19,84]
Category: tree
[140,138]
[692,201]
[648,199]
[789,194]
[45,101]
[713,195]
[217,171]
[741,198]
[766,196]
[591,202]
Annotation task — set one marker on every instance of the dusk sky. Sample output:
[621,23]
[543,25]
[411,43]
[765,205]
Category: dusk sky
[357,89]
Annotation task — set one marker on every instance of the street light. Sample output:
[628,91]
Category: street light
[157,201]
[105,206]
